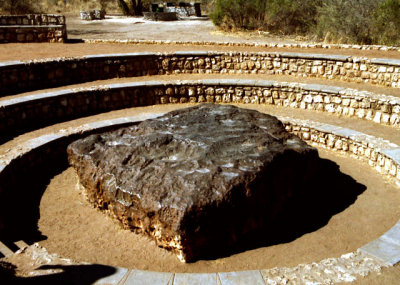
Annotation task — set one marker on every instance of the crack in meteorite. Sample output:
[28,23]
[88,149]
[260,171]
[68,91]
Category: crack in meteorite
[198,188]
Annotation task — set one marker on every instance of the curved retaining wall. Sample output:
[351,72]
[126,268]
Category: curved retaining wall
[22,114]
[46,152]
[247,44]
[32,28]
[17,76]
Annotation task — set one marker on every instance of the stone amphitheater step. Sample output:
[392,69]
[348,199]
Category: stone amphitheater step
[11,52]
[32,111]
[4,250]
[20,76]
[386,132]
[378,248]
[279,78]
[8,149]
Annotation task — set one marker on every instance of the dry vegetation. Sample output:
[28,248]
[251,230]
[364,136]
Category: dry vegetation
[334,21]
[65,6]
[56,6]
[338,21]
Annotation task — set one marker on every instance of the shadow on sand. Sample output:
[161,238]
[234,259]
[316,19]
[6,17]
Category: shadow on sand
[326,192]
[70,274]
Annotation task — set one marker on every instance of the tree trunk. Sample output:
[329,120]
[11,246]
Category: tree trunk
[137,7]
[124,7]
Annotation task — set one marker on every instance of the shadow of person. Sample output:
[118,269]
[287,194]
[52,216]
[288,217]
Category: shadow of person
[71,274]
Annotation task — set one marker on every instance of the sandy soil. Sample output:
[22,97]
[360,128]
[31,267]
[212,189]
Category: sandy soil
[377,130]
[121,27]
[374,212]
[66,217]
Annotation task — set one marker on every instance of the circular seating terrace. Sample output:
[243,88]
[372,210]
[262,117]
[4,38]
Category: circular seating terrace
[26,113]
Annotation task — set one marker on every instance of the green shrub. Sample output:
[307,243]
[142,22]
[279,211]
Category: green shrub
[386,23]
[291,16]
[339,21]
[347,20]
[286,16]
[14,7]
[359,21]
[239,14]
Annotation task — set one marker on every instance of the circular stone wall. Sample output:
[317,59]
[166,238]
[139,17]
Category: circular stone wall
[380,154]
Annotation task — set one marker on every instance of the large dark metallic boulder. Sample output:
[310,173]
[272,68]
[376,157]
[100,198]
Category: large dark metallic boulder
[196,180]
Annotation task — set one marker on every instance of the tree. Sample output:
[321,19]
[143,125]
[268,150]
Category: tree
[18,7]
[135,8]
[349,21]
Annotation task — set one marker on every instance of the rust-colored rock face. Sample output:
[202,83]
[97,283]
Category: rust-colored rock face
[196,180]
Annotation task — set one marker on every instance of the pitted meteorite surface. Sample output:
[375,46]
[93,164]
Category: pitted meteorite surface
[196,180]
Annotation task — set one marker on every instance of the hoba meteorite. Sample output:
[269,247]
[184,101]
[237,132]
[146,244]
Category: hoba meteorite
[196,180]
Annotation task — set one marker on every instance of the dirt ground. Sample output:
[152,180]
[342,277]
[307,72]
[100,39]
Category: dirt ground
[66,217]
[28,51]
[198,28]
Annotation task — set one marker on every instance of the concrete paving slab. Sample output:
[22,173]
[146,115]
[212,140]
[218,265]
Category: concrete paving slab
[125,85]
[347,133]
[4,250]
[113,279]
[138,277]
[386,61]
[245,82]
[195,279]
[192,53]
[329,128]
[21,244]
[42,140]
[316,56]
[393,235]
[10,63]
[241,278]
[119,55]
[383,250]
[393,154]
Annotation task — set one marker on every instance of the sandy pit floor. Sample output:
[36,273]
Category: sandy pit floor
[76,230]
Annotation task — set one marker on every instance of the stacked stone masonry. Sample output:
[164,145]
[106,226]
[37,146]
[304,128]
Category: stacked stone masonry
[34,111]
[32,28]
[24,76]
[380,154]
[248,44]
